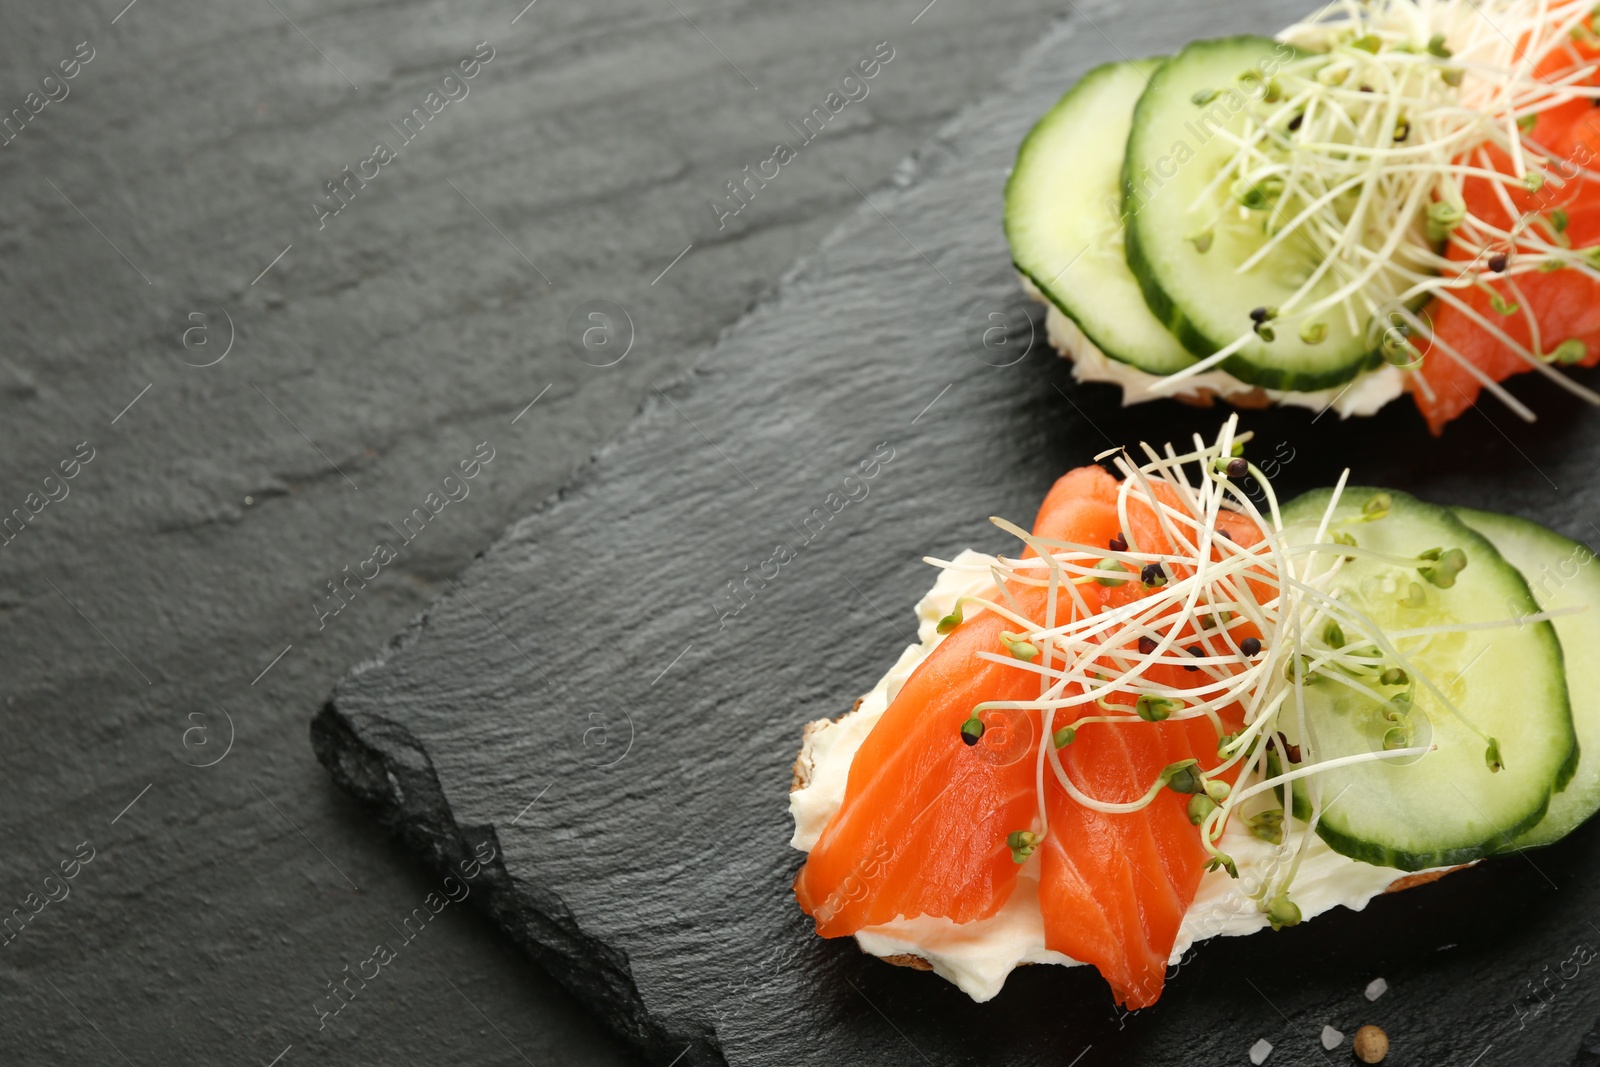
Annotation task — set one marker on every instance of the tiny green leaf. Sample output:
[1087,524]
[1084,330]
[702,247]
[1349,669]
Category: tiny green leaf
[1268,826]
[1500,304]
[1283,912]
[1568,352]
[1152,708]
[1184,777]
[1111,565]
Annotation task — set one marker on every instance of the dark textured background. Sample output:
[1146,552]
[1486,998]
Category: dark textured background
[574,700]
[198,539]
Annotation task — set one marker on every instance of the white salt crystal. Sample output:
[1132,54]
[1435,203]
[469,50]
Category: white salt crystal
[1376,988]
[1331,1038]
[1260,1051]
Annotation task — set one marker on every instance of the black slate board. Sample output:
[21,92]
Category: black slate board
[586,701]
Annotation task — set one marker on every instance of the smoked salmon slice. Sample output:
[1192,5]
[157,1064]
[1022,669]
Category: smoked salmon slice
[924,823]
[1539,311]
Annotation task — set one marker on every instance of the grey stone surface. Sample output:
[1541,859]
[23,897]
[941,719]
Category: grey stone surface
[194,545]
[586,697]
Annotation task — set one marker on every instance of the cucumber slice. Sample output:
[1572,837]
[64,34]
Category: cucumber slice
[1063,217]
[1445,807]
[1176,151]
[1561,573]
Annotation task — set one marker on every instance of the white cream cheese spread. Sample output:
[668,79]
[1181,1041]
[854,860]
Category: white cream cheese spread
[1363,395]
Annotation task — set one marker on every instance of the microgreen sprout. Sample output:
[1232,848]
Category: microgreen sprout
[1268,825]
[1184,777]
[1501,305]
[1568,352]
[1022,843]
[972,731]
[1222,861]
[1110,565]
[1018,647]
[1440,566]
[1156,709]
[1283,912]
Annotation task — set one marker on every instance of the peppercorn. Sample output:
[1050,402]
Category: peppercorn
[1371,1044]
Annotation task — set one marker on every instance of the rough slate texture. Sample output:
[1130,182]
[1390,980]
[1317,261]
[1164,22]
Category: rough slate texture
[206,527]
[579,701]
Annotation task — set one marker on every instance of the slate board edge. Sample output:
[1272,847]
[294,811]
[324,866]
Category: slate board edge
[405,797]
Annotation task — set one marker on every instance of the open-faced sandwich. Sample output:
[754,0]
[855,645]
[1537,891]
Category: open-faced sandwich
[1176,714]
[1390,197]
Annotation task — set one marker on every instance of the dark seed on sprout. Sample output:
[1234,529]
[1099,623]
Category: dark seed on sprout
[1119,543]
[1292,751]
[1238,468]
[1294,123]
[1153,575]
[971,731]
[1193,650]
[1146,646]
[1258,314]
[1251,647]
[1498,261]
